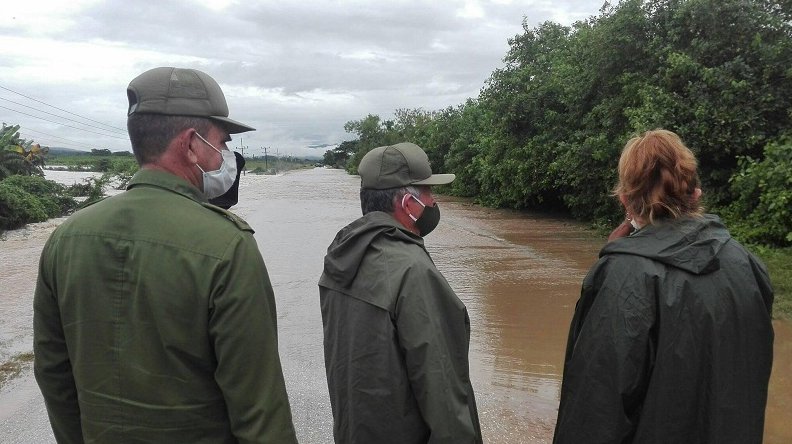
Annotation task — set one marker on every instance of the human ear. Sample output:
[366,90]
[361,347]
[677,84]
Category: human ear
[186,138]
[696,195]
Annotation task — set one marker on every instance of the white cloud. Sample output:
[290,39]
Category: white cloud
[216,5]
[471,10]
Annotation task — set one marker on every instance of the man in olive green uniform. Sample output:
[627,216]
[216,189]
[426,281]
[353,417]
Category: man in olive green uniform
[154,317]
[396,336]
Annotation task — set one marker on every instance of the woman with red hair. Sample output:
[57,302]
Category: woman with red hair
[671,340]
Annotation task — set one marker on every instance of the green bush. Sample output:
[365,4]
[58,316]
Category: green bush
[53,196]
[26,199]
[762,193]
[18,207]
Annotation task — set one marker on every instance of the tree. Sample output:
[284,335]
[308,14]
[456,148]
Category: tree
[762,208]
[19,156]
[338,156]
[547,128]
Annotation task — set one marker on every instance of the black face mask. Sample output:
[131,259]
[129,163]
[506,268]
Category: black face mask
[429,218]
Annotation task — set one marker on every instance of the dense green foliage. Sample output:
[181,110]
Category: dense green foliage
[338,157]
[547,128]
[762,190]
[18,207]
[25,196]
[25,199]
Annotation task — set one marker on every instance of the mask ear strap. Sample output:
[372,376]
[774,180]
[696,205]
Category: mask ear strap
[414,219]
[406,195]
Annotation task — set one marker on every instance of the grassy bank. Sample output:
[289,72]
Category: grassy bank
[779,264]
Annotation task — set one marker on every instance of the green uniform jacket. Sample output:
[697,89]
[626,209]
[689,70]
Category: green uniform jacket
[671,341]
[154,322]
[396,340]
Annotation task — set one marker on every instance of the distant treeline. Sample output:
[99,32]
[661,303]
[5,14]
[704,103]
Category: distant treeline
[65,152]
[547,129]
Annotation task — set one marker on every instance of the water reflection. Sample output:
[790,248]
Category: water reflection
[519,276]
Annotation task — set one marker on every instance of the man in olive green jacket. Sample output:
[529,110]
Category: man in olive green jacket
[396,336]
[154,317]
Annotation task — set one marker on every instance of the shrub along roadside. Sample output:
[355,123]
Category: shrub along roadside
[762,208]
[18,207]
[27,199]
[779,264]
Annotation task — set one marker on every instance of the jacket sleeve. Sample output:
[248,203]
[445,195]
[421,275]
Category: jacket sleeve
[609,355]
[51,364]
[243,331]
[433,332]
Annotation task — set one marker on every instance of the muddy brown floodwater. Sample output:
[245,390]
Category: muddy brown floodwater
[519,275]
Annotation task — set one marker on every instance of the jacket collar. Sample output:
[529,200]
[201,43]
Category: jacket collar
[166,181]
[689,243]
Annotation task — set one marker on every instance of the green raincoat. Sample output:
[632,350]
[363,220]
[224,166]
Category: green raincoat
[671,341]
[154,322]
[396,340]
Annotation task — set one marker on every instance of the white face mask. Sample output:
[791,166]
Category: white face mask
[217,182]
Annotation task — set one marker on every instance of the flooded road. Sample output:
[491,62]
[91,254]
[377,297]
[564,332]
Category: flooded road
[519,276]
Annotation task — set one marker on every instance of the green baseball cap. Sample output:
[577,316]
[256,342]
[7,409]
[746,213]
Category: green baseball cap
[398,165]
[181,92]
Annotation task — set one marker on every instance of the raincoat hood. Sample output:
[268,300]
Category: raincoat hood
[350,245]
[691,244]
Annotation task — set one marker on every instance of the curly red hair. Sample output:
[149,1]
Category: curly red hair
[658,177]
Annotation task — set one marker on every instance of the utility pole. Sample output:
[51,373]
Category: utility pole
[265,158]
[242,148]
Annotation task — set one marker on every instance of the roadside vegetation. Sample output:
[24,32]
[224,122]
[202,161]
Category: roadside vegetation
[779,264]
[547,128]
[25,196]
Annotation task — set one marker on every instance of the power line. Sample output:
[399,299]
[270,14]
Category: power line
[62,117]
[26,129]
[60,109]
[62,124]
[68,142]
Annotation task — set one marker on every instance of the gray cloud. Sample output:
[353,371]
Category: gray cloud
[298,71]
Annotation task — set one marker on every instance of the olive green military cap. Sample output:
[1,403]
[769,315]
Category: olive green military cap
[398,165]
[181,92]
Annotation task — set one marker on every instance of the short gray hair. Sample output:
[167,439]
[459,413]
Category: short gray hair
[382,200]
[151,134]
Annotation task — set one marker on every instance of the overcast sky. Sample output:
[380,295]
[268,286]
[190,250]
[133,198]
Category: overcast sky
[295,70]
